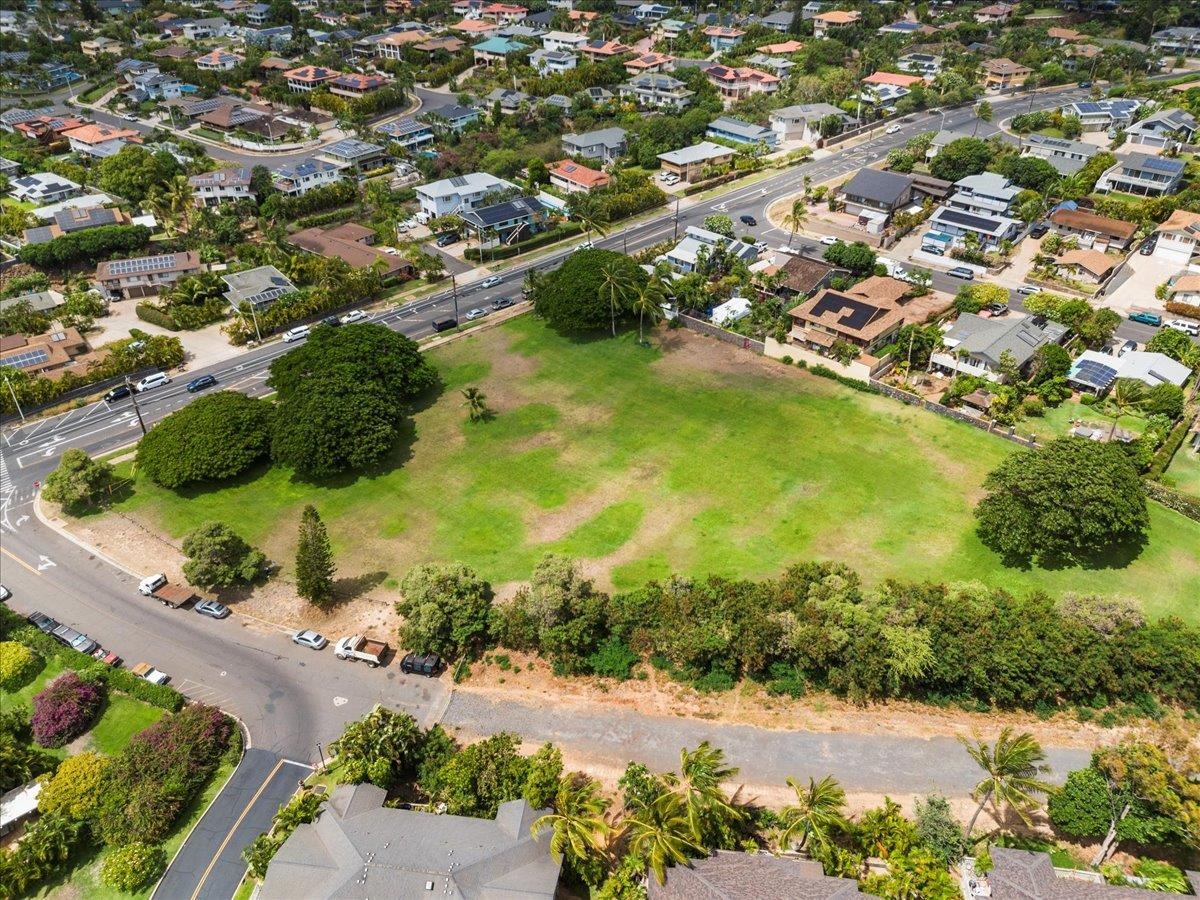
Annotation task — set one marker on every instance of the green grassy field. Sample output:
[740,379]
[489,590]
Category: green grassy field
[1057,421]
[1185,471]
[689,457]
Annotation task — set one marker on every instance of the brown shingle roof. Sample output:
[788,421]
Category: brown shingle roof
[802,275]
[1083,220]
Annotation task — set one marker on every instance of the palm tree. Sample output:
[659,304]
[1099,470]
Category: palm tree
[818,812]
[578,823]
[586,214]
[476,403]
[1127,395]
[795,218]
[659,832]
[648,303]
[698,786]
[983,113]
[1011,774]
[616,288]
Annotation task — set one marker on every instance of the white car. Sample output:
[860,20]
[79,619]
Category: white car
[490,281]
[5,593]
[671,179]
[299,333]
[892,129]
[158,379]
[900,274]
[829,240]
[353,316]
[1184,325]
[762,246]
[129,117]
[310,638]
[477,313]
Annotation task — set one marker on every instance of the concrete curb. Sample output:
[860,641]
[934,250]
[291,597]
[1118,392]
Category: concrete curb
[62,532]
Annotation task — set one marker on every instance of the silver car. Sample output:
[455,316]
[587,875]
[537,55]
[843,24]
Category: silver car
[212,609]
[476,313]
[309,638]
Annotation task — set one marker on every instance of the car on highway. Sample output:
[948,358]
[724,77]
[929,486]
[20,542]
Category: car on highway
[1026,290]
[356,315]
[748,221]
[829,240]
[199,384]
[892,129]
[120,392]
[445,240]
[477,313]
[502,303]
[962,272]
[299,333]
[1146,318]
[1185,325]
[311,639]
[150,382]
[490,281]
[427,664]
[586,245]
[42,622]
[212,609]
[440,325]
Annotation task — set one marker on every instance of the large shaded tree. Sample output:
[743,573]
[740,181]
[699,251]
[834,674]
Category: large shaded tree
[960,158]
[79,481]
[1071,501]
[446,609]
[588,290]
[215,437]
[218,557]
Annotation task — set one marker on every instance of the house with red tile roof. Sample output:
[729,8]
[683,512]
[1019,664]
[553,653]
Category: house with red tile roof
[893,78]
[598,51]
[650,62]
[353,84]
[576,178]
[834,20]
[736,82]
[99,140]
[308,78]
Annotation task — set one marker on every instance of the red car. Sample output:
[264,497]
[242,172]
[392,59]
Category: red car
[106,656]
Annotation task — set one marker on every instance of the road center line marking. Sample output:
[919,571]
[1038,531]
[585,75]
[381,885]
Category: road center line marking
[19,561]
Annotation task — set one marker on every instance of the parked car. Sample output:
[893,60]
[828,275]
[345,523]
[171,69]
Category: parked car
[586,245]
[199,384]
[1185,325]
[490,281]
[477,313]
[1039,230]
[5,593]
[1026,290]
[1148,246]
[106,656]
[502,303]
[331,321]
[829,240]
[212,609]
[1085,84]
[151,674]
[427,664]
[1146,318]
[670,179]
[120,392]
[358,648]
[1126,347]
[172,595]
[158,379]
[891,129]
[445,240]
[440,325]
[962,272]
[748,220]
[42,622]
[356,315]
[76,640]
[997,309]
[299,333]
[310,638]
[129,117]
[762,246]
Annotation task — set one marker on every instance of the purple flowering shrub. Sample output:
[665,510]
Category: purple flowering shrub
[64,709]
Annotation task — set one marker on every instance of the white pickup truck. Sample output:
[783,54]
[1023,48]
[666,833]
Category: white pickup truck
[362,649]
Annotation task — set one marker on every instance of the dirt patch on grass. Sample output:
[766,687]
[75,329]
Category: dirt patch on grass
[544,526]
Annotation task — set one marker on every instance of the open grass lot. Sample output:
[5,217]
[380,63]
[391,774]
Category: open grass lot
[689,457]
[1185,471]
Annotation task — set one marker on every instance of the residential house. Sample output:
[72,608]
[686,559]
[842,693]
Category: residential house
[650,62]
[577,178]
[1163,129]
[458,194]
[552,62]
[68,221]
[452,118]
[174,51]
[508,221]
[440,44]
[722,38]
[978,206]
[1095,372]
[598,95]
[651,12]
[784,48]
[306,79]
[1178,238]
[657,91]
[510,100]
[734,875]
[214,188]
[1181,289]
[1060,36]
[274,38]
[867,315]
[48,129]
[690,162]
[217,61]
[145,276]
[924,64]
[352,243]
[495,50]
[9,168]
[1067,157]
[99,141]
[10,118]
[890,79]
[356,155]
[906,27]
[727,128]
[476,28]
[354,84]
[296,179]
[1142,174]
[568,41]
[976,344]
[504,13]
[1178,40]
[777,65]
[872,196]
[801,276]
[37,354]
[598,51]
[810,9]
[225,116]
[995,14]
[699,244]
[1076,54]
[829,23]
[1093,231]
[42,188]
[97,45]
[39,301]
[408,133]
[393,44]
[778,20]
[1086,265]
[1103,115]
[606,144]
[259,287]
[204,29]
[257,14]
[803,121]
[156,86]
[402,852]
[737,82]
[1003,74]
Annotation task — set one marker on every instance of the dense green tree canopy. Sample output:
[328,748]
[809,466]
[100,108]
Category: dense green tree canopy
[446,609]
[1072,501]
[333,425]
[576,298]
[79,481]
[217,436]
[960,158]
[218,557]
[133,171]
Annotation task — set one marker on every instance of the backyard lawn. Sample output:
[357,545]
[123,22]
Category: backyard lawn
[1185,471]
[1057,421]
[690,457]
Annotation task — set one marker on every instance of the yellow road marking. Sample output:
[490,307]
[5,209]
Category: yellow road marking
[19,561]
[203,878]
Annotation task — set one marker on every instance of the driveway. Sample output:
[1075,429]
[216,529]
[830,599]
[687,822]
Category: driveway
[1133,286]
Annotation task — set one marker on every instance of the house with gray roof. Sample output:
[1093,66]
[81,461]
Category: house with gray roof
[1026,875]
[1142,174]
[698,243]
[1163,129]
[1067,156]
[802,122]
[605,144]
[39,301]
[357,848]
[975,343]
[739,131]
[259,287]
[872,195]
[732,875]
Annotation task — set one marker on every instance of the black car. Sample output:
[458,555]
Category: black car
[427,664]
[444,324]
[445,240]
[331,321]
[1148,246]
[749,220]
[502,302]
[42,622]
[199,384]
[1038,230]
[120,392]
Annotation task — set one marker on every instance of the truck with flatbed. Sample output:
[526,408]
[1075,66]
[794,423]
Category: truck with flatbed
[361,649]
[172,595]
[151,674]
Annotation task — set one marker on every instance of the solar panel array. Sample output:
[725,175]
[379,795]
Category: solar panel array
[852,313]
[26,358]
[1094,373]
[142,265]
[1158,164]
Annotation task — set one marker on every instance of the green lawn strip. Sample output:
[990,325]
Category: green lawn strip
[654,463]
[123,717]
[1184,471]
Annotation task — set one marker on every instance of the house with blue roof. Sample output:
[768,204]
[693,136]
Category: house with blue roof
[495,50]
[728,128]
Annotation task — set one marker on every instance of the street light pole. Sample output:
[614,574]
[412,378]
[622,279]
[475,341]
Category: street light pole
[675,235]
[136,408]
[454,293]
[15,400]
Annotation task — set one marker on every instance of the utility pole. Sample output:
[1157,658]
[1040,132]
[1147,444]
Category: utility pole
[15,400]
[675,235]
[454,293]
[136,408]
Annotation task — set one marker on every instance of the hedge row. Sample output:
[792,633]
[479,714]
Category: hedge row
[1190,310]
[15,628]
[148,312]
[713,182]
[826,372]
[563,231]
[1172,499]
[1169,447]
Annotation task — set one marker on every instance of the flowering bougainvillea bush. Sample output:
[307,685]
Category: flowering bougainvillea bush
[64,709]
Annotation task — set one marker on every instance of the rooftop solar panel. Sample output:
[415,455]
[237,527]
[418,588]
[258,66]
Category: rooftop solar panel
[27,358]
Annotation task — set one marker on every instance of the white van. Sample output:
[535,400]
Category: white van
[299,333]
[158,379]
